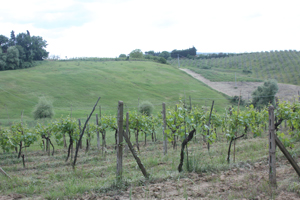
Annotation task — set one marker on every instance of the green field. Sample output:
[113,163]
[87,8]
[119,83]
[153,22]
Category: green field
[76,85]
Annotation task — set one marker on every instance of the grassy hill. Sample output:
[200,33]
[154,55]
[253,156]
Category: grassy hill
[284,66]
[76,85]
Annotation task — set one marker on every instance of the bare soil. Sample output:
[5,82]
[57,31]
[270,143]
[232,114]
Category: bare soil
[286,92]
[248,181]
[245,182]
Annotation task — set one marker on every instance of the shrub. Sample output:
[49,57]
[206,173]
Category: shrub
[146,108]
[265,94]
[205,67]
[122,56]
[137,53]
[165,54]
[44,109]
[155,58]
[247,71]
[162,60]
[147,57]
[235,100]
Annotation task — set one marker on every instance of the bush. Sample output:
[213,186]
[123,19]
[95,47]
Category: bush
[235,100]
[265,94]
[247,71]
[162,60]
[146,108]
[147,57]
[165,54]
[137,53]
[205,67]
[122,56]
[44,109]
[155,58]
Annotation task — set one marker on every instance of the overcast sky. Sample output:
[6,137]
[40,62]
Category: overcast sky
[108,28]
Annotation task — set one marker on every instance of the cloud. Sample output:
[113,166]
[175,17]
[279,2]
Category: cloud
[51,15]
[107,28]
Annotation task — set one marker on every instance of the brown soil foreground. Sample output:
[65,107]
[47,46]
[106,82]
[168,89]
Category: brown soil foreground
[285,92]
[245,182]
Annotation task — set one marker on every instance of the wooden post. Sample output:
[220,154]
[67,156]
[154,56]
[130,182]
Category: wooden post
[98,136]
[7,113]
[208,131]
[48,144]
[65,142]
[87,139]
[164,128]
[140,164]
[100,111]
[190,103]
[272,145]
[174,137]
[119,141]
[236,128]
[287,155]
[79,125]
[81,135]
[3,172]
[127,131]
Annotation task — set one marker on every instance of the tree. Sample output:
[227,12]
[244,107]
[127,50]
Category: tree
[44,109]
[3,42]
[12,40]
[165,54]
[12,58]
[150,53]
[22,57]
[265,94]
[2,60]
[37,48]
[184,53]
[24,40]
[137,53]
[122,56]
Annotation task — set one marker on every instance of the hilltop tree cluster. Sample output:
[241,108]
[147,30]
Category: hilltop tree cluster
[18,52]
[216,55]
[188,53]
[161,57]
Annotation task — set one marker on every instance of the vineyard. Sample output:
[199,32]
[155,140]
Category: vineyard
[182,142]
[257,66]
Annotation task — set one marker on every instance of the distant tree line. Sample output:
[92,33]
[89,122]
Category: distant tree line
[18,52]
[216,55]
[152,53]
[149,55]
[188,53]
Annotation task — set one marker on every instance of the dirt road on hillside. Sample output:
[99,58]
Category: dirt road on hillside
[285,92]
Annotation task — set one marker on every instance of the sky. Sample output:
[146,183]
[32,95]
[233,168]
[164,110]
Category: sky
[108,28]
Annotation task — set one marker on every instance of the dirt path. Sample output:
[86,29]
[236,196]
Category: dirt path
[285,92]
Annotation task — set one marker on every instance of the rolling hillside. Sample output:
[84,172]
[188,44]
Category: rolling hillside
[284,66]
[76,85]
